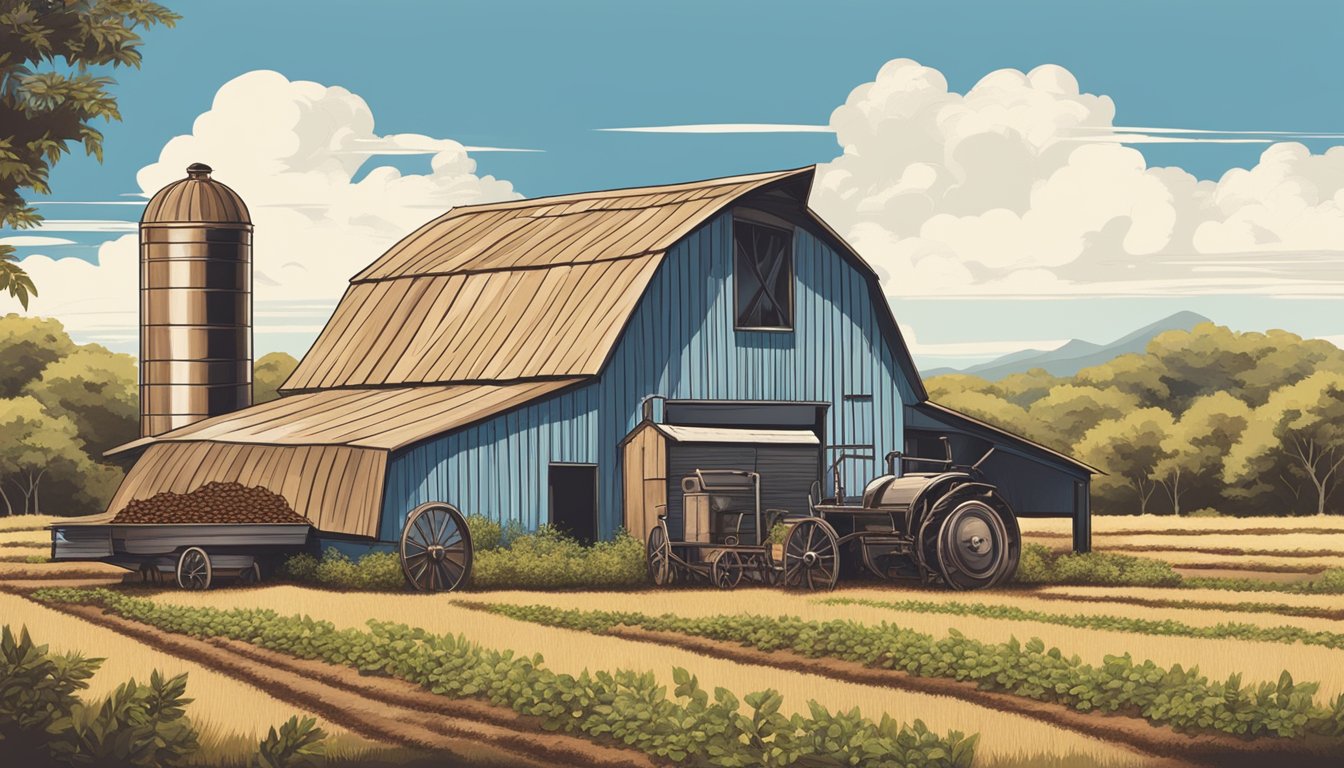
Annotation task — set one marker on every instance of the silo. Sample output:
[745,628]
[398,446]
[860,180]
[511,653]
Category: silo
[195,303]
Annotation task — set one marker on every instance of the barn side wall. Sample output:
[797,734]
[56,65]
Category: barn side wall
[680,343]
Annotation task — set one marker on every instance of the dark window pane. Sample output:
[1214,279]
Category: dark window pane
[763,275]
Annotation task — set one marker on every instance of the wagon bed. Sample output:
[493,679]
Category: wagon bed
[156,549]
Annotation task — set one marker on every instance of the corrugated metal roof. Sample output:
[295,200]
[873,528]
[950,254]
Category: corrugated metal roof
[682,434]
[518,290]
[382,419]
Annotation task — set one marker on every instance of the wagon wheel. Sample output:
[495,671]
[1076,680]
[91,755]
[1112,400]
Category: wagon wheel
[193,569]
[974,547]
[726,570]
[436,548]
[658,553]
[811,555]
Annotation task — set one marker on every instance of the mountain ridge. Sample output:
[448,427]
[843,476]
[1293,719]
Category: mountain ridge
[1075,354]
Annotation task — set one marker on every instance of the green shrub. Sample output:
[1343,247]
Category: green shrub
[548,559]
[302,567]
[43,721]
[1327,582]
[377,571]
[778,533]
[631,709]
[1177,696]
[486,534]
[1205,512]
[1039,565]
[298,744]
[140,725]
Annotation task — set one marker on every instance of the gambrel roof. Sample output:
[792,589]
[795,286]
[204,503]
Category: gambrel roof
[524,290]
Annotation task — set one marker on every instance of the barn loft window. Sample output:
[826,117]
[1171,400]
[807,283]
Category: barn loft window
[763,276]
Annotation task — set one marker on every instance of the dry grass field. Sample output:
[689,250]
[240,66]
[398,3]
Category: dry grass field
[231,715]
[27,522]
[234,713]
[1005,738]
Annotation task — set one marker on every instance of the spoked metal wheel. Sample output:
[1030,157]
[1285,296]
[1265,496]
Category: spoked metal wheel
[436,548]
[658,554]
[811,555]
[726,570]
[975,549]
[193,569]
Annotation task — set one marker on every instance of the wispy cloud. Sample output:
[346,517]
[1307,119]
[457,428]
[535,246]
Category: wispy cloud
[86,225]
[418,144]
[724,128]
[90,202]
[20,241]
[1098,134]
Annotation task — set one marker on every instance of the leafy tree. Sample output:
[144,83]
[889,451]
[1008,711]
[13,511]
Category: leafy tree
[1027,387]
[49,98]
[27,345]
[939,387]
[1299,434]
[96,389]
[1129,449]
[269,373]
[993,409]
[1211,358]
[1132,374]
[1069,411]
[1194,451]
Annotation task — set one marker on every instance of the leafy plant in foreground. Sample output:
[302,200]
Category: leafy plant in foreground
[298,744]
[631,709]
[1178,697]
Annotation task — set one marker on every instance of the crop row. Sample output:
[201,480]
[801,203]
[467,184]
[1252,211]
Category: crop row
[1168,627]
[1177,697]
[691,727]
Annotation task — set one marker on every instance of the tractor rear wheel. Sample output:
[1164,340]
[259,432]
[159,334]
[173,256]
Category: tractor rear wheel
[974,547]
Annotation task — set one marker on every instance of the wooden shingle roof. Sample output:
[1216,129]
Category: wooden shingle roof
[524,290]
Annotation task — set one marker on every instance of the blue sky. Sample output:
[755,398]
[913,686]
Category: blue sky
[546,75]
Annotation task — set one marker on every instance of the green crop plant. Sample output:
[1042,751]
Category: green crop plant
[1178,697]
[1167,627]
[690,727]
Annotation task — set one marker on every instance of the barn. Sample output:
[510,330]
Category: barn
[514,360]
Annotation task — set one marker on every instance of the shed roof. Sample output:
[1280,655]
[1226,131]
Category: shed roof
[526,289]
[384,419]
[938,413]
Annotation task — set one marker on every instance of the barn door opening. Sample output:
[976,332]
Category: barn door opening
[573,500]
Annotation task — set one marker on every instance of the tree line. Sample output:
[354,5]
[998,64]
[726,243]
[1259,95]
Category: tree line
[62,405]
[1205,419]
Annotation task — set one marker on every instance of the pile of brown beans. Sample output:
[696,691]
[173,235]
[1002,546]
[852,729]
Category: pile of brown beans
[211,503]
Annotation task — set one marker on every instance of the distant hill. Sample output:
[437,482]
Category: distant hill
[1076,354]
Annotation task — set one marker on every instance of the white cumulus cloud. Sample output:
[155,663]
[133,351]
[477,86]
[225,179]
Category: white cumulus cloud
[292,150]
[1022,187]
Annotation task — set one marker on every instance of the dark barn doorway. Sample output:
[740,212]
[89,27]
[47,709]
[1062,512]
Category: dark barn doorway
[573,500]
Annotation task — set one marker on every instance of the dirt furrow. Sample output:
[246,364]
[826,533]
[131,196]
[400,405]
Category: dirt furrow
[1166,747]
[381,708]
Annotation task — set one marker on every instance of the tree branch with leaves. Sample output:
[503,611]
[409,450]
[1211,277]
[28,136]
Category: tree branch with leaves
[49,98]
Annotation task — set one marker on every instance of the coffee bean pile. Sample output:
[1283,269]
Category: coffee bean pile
[211,503]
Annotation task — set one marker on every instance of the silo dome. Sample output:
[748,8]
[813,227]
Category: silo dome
[196,199]
[195,303]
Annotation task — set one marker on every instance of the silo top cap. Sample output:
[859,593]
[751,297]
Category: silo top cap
[197,199]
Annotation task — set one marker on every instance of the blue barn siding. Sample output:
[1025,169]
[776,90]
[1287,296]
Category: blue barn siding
[680,343]
[496,468]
